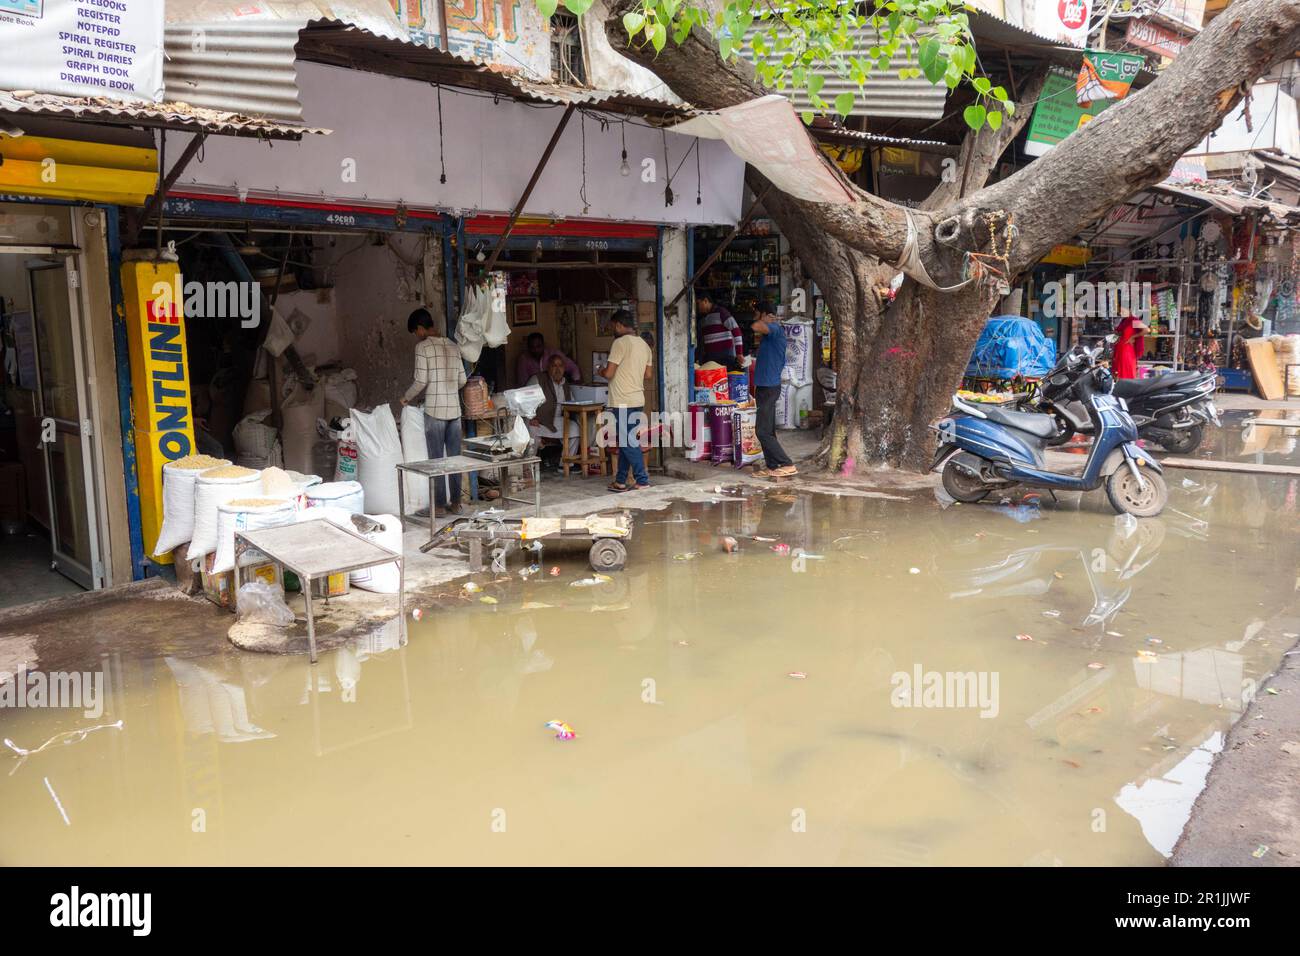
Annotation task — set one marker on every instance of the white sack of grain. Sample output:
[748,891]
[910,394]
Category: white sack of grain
[178,499]
[247,514]
[384,579]
[379,452]
[298,429]
[415,447]
[214,487]
[348,495]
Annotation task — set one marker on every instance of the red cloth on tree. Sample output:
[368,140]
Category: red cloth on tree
[1124,358]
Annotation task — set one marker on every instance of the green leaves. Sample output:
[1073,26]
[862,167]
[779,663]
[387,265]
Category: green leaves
[547,7]
[797,45]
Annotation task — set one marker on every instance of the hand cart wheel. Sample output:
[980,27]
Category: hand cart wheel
[608,554]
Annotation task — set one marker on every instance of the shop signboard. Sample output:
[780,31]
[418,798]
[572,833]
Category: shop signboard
[1149,35]
[1184,14]
[1065,21]
[109,48]
[160,386]
[1067,255]
[1058,113]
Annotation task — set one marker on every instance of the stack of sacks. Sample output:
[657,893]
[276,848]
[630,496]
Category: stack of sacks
[346,495]
[178,499]
[247,514]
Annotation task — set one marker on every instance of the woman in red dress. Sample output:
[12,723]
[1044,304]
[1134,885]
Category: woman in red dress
[1124,358]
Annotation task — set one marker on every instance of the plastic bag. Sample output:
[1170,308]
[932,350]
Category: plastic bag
[525,401]
[262,603]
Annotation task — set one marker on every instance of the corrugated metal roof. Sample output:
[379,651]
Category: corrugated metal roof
[175,116]
[838,134]
[244,67]
[335,43]
[884,94]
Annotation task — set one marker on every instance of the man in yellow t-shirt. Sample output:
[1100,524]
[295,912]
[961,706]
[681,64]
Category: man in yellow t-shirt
[628,369]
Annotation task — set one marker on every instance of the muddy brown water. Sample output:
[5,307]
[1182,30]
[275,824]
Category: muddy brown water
[696,744]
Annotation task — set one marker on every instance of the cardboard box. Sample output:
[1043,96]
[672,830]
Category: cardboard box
[336,585]
[220,588]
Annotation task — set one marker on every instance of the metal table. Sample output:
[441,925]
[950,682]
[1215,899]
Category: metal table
[316,549]
[436,468]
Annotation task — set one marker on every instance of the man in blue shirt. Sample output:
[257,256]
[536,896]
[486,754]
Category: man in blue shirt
[767,390]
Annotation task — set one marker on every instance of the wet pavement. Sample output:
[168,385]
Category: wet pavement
[887,680]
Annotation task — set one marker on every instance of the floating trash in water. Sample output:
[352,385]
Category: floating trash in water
[471,588]
[1051,614]
[562,730]
[811,557]
[1115,633]
[57,802]
[555,572]
[729,544]
[1147,657]
[529,571]
[590,582]
[1260,851]
[913,570]
[417,613]
[782,548]
[797,675]
[1274,691]
[687,556]
[1023,637]
[1154,640]
[1058,575]
[1072,763]
[488,599]
[759,537]
[68,736]
[1095,665]
[683,643]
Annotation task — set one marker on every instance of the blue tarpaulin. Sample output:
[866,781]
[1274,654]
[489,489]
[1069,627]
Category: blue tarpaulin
[1011,346]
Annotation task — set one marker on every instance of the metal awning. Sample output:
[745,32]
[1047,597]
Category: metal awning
[1225,201]
[993,32]
[181,117]
[335,43]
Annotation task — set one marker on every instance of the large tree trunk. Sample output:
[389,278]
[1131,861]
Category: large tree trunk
[898,365]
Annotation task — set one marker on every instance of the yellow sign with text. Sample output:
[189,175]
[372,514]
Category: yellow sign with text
[160,386]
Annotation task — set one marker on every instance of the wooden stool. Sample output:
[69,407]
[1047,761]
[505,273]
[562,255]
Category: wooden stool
[587,455]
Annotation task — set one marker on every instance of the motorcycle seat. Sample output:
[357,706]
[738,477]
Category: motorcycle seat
[1132,387]
[1035,423]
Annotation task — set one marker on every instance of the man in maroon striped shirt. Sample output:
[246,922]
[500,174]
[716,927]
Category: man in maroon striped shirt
[720,339]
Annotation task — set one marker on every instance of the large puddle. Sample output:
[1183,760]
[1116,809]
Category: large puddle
[737,707]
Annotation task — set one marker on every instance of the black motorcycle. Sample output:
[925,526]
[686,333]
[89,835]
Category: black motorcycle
[1171,409]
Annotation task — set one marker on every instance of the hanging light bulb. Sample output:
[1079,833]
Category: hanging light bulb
[624,169]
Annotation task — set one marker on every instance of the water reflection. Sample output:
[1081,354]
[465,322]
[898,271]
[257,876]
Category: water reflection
[698,743]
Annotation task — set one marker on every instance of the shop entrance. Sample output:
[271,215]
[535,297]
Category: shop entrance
[48,503]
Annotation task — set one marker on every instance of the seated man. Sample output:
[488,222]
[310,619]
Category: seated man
[535,359]
[548,424]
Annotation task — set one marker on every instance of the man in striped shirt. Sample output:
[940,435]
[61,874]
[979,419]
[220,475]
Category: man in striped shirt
[720,338]
[440,374]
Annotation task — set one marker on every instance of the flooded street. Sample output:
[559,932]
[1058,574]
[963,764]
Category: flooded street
[738,707]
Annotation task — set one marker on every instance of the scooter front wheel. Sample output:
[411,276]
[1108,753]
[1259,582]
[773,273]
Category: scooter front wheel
[1128,497]
[962,486]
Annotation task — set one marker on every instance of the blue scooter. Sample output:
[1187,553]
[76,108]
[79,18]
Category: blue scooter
[983,447]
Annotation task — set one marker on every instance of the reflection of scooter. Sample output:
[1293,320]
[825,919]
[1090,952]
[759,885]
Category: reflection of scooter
[983,448]
[1030,571]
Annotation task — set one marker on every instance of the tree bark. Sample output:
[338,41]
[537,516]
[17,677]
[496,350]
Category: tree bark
[898,364]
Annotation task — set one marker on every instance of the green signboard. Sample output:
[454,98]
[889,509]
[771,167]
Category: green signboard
[1058,113]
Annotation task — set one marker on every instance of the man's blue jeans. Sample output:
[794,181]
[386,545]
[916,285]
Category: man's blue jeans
[630,420]
[443,436]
